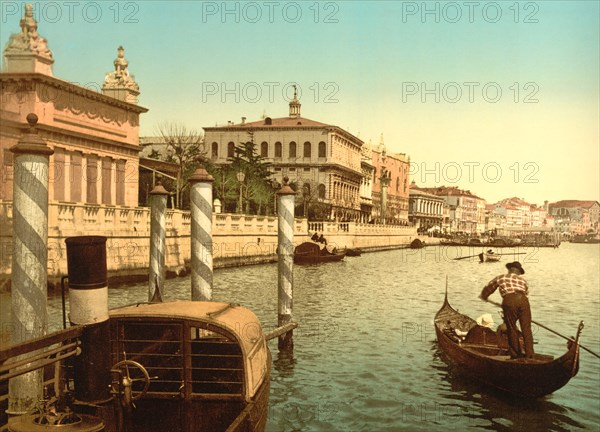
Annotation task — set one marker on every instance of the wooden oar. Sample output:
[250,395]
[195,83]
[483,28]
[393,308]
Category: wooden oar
[471,256]
[551,331]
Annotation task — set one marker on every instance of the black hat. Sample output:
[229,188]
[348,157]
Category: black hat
[515,265]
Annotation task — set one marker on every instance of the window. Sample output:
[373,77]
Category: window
[8,164]
[277,149]
[322,149]
[321,191]
[91,176]
[264,149]
[215,150]
[106,180]
[292,149]
[230,149]
[306,149]
[217,363]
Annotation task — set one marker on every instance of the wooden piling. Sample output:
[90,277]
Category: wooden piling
[30,258]
[158,209]
[201,200]
[285,257]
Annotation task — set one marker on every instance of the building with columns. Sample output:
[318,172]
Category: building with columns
[94,135]
[466,210]
[426,210]
[390,186]
[366,185]
[314,155]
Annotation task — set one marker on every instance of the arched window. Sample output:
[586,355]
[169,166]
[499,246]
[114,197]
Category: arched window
[230,149]
[215,150]
[306,149]
[322,149]
[277,149]
[292,149]
[264,149]
[321,191]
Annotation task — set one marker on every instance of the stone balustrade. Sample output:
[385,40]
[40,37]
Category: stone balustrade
[237,239]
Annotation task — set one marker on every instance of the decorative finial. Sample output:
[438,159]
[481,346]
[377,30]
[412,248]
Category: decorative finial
[32,119]
[286,179]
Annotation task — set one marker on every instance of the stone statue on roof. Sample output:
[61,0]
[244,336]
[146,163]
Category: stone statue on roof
[28,41]
[120,78]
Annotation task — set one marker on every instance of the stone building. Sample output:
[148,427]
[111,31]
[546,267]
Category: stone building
[94,135]
[467,210]
[426,210]
[93,175]
[576,216]
[315,156]
[390,186]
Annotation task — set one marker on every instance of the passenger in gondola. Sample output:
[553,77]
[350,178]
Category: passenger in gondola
[315,237]
[322,240]
[515,306]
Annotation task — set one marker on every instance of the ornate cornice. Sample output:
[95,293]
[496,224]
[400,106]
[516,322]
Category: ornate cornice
[29,80]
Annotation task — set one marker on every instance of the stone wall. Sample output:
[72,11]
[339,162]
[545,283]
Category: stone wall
[237,239]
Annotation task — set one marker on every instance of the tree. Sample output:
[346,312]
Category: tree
[257,190]
[184,148]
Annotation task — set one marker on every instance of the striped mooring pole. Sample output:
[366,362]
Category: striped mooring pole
[285,261]
[29,290]
[158,209]
[201,195]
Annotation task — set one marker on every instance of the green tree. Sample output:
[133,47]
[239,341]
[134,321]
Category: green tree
[184,148]
[257,191]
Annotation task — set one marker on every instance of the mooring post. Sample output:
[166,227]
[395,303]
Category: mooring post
[201,200]
[88,305]
[285,260]
[158,208]
[29,290]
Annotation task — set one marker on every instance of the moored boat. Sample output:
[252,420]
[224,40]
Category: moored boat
[483,354]
[312,253]
[182,365]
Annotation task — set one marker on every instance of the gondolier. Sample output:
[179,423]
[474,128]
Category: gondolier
[515,305]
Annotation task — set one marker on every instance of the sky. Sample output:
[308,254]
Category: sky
[499,98]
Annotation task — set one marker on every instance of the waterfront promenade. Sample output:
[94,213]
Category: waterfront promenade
[237,239]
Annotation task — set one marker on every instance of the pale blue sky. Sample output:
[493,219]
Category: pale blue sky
[371,65]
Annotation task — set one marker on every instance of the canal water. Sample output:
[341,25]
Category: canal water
[365,357]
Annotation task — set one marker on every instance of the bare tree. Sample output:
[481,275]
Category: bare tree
[184,147]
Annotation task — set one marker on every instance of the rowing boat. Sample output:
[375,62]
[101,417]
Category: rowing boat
[483,354]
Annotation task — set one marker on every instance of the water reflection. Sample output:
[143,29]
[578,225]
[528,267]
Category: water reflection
[491,410]
[283,362]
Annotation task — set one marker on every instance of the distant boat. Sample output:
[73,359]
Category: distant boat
[417,244]
[587,238]
[489,256]
[353,252]
[483,354]
[311,253]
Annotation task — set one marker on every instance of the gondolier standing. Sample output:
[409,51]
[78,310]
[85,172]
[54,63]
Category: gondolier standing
[515,305]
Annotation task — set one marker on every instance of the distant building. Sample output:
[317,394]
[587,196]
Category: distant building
[315,156]
[426,210]
[390,186]
[576,216]
[467,211]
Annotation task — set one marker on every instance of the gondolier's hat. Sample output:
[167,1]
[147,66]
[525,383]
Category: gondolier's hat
[485,320]
[515,265]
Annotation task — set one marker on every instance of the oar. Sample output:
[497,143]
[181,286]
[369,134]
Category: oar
[471,256]
[551,331]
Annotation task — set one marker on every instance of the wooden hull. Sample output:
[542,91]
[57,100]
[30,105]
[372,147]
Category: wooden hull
[316,259]
[488,360]
[492,258]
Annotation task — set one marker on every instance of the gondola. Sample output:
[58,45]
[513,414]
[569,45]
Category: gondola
[483,354]
[311,253]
